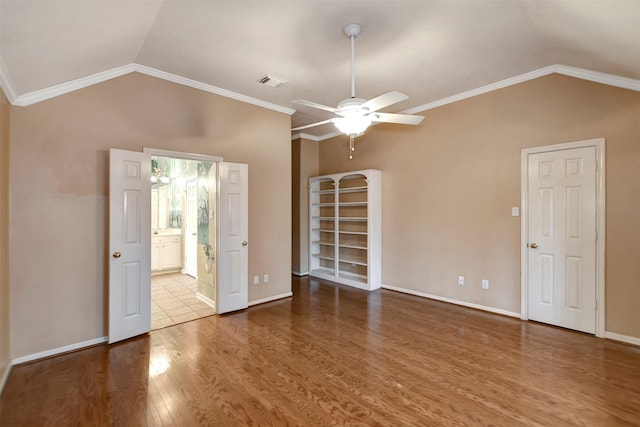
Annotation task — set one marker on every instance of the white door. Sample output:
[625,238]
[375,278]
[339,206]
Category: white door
[129,244]
[233,288]
[191,230]
[562,238]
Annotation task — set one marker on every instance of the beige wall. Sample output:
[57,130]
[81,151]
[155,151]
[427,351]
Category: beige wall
[4,235]
[295,205]
[305,159]
[59,158]
[449,185]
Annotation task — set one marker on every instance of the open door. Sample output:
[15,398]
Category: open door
[233,287]
[129,244]
[191,229]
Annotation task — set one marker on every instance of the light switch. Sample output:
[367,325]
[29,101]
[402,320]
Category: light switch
[515,211]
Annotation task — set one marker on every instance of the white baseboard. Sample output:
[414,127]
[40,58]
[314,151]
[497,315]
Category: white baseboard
[59,350]
[297,273]
[206,300]
[269,299]
[453,301]
[5,376]
[623,338]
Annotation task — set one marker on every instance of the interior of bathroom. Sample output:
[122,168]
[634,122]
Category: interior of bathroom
[183,240]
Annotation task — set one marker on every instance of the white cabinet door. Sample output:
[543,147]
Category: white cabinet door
[171,255]
[129,244]
[156,263]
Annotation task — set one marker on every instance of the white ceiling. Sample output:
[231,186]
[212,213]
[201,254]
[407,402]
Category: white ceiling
[427,49]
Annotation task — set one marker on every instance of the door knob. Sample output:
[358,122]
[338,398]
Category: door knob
[244,243]
[117,254]
[533,245]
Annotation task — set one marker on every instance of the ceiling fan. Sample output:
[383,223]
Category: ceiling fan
[357,114]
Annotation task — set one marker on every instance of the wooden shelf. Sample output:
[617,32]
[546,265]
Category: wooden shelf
[353,189]
[346,204]
[323,272]
[322,256]
[352,276]
[323,243]
[352,218]
[357,233]
[354,261]
[351,245]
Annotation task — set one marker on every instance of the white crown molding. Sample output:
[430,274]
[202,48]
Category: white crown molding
[212,89]
[598,77]
[580,73]
[305,136]
[5,82]
[64,88]
[317,137]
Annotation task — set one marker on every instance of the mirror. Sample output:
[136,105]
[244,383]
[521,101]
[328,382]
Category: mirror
[167,187]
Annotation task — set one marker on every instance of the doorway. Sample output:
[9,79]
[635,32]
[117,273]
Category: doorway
[181,191]
[563,235]
[222,253]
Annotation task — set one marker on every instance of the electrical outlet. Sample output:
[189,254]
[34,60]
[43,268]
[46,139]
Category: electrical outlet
[266,278]
[256,280]
[485,284]
[460,280]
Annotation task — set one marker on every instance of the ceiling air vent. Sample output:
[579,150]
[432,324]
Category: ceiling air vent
[271,81]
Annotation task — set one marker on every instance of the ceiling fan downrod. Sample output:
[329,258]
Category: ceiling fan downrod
[352,30]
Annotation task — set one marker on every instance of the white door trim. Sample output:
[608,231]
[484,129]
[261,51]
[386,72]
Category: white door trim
[599,145]
[181,155]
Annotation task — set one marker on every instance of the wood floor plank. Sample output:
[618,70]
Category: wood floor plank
[334,355]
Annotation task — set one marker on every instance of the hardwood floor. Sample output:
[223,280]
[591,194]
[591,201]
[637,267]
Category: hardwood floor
[334,355]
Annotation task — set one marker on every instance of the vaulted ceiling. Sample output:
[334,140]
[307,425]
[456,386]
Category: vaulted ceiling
[429,50]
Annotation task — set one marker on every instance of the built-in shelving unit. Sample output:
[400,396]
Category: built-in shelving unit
[345,212]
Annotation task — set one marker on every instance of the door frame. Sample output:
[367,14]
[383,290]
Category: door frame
[599,144]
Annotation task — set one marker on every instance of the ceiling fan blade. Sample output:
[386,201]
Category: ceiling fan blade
[403,119]
[384,100]
[315,105]
[324,122]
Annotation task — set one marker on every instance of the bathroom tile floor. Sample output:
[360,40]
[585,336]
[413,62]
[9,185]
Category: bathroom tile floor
[173,300]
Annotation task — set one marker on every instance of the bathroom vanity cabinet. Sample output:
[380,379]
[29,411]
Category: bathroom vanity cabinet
[166,253]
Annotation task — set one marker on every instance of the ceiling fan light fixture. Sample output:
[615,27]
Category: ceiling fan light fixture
[353,124]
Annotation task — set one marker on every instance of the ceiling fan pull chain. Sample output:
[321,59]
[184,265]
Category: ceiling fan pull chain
[351,147]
